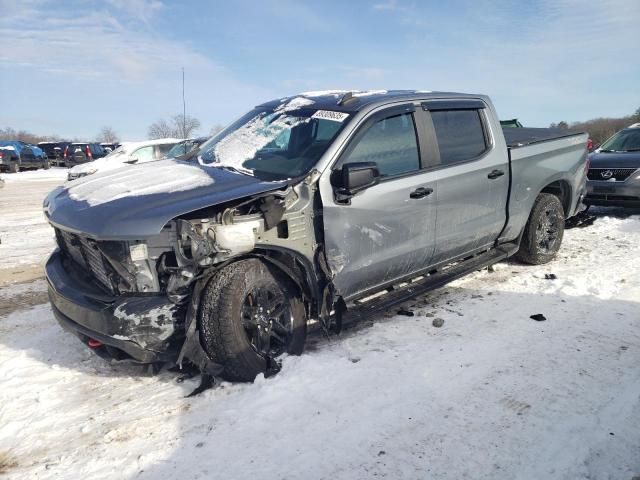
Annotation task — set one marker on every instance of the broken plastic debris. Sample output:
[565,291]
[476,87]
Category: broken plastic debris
[538,317]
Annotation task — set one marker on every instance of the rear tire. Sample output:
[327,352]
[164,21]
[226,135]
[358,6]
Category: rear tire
[248,313]
[46,165]
[544,231]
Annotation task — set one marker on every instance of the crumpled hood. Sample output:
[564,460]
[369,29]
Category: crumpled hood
[615,160]
[136,202]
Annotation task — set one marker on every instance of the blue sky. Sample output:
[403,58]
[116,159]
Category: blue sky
[71,67]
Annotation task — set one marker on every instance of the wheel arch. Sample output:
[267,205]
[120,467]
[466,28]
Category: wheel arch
[562,189]
[299,269]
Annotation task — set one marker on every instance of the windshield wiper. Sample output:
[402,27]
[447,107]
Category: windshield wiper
[632,150]
[227,167]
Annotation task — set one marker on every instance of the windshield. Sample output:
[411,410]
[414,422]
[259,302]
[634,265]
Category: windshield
[182,148]
[623,141]
[277,144]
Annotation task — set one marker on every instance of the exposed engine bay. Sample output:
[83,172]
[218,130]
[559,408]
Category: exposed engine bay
[157,281]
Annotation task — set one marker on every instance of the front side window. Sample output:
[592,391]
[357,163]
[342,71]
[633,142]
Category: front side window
[178,149]
[144,154]
[275,144]
[391,144]
[460,135]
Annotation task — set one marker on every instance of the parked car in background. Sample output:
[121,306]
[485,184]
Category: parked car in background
[185,147]
[109,147]
[80,152]
[55,151]
[614,170]
[128,153]
[38,152]
[9,159]
[329,207]
[26,157]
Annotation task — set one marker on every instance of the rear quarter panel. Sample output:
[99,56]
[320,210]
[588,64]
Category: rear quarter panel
[536,166]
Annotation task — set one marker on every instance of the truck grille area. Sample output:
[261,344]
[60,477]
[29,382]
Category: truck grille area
[617,174]
[86,254]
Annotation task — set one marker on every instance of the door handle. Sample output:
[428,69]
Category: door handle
[495,174]
[421,192]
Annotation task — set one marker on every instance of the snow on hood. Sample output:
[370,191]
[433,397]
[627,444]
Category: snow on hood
[8,147]
[149,178]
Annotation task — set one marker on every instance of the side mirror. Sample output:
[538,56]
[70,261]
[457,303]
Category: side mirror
[353,178]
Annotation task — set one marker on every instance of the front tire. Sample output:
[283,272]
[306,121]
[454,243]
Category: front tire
[248,313]
[14,167]
[544,231]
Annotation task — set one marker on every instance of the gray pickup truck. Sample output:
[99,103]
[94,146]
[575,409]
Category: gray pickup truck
[324,207]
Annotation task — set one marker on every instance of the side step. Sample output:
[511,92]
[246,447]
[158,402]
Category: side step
[400,293]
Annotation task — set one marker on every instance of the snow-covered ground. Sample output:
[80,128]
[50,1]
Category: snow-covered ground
[26,236]
[492,394]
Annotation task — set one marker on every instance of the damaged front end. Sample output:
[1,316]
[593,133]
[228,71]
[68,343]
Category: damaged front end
[138,299]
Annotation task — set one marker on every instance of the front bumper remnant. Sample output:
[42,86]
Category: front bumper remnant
[145,329]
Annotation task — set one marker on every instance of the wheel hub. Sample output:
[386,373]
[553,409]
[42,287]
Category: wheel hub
[266,318]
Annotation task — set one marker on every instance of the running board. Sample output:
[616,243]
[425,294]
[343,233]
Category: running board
[396,294]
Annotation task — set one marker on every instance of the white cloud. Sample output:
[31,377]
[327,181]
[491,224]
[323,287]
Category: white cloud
[142,10]
[388,5]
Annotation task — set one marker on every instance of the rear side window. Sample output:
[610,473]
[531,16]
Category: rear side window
[391,143]
[460,135]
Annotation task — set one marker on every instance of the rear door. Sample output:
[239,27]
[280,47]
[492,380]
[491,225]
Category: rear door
[384,232]
[473,179]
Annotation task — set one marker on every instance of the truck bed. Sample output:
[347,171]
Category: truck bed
[519,137]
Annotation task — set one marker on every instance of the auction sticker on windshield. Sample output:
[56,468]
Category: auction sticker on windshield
[329,115]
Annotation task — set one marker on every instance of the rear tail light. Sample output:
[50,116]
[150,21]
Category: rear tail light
[66,149]
[88,152]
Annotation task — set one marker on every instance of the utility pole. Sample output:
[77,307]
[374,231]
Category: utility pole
[184,108]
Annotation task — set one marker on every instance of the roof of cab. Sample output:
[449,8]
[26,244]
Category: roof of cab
[351,100]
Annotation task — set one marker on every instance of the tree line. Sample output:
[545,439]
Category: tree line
[106,135]
[176,126]
[179,126]
[600,128]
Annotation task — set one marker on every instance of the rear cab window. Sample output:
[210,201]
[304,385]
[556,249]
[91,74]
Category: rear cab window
[461,135]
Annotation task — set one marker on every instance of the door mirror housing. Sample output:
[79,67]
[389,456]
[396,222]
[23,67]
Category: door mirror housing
[353,178]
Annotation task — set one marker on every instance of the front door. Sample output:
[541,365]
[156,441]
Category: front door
[387,231]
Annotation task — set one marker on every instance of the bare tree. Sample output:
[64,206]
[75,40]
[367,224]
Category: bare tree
[185,125]
[177,126]
[108,135]
[160,129]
